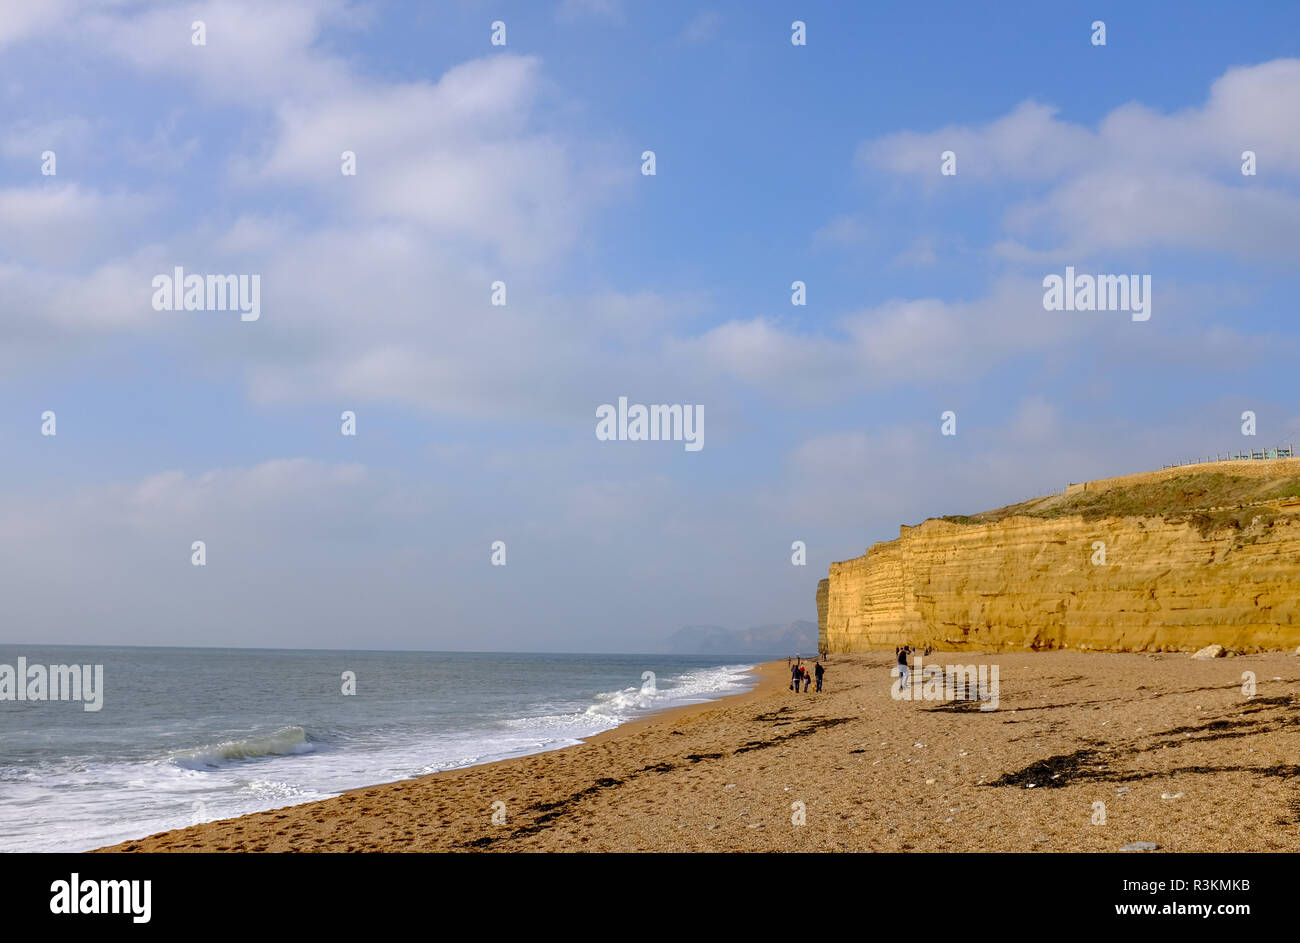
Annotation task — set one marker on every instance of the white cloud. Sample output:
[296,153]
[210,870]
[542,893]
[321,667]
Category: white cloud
[58,223]
[1142,179]
[461,182]
[255,53]
[1029,143]
[898,342]
[21,20]
[1248,108]
[460,157]
[1115,210]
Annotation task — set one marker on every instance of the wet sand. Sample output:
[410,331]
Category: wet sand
[1171,747]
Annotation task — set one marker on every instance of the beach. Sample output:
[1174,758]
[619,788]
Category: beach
[1085,752]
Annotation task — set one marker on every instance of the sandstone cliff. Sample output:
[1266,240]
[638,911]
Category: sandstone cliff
[823,589]
[1161,561]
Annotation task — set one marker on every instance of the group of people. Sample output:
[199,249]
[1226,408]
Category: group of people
[800,674]
[801,678]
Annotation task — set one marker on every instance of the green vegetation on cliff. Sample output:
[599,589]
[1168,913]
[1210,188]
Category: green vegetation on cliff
[1208,500]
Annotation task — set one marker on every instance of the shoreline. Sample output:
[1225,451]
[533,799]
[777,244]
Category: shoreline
[767,677]
[1085,753]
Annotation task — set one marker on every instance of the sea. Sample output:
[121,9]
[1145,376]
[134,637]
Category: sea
[190,735]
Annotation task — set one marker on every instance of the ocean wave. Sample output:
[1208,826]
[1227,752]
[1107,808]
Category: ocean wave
[613,708]
[287,741]
[153,782]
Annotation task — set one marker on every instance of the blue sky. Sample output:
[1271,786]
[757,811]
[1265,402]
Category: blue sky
[522,163]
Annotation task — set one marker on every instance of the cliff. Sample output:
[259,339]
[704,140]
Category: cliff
[1159,561]
[823,590]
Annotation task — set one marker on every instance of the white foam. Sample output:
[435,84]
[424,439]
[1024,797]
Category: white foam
[618,707]
[59,805]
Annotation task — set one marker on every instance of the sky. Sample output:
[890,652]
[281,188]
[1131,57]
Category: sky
[522,163]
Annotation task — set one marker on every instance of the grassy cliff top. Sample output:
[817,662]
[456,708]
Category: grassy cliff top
[1209,499]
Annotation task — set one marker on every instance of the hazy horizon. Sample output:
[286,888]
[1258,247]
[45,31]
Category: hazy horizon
[426,651]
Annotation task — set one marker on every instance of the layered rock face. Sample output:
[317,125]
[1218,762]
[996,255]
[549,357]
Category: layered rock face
[823,588]
[1038,577]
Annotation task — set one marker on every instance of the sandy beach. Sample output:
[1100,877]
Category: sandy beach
[1086,752]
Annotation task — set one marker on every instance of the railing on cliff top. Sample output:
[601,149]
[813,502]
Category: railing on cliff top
[1255,454]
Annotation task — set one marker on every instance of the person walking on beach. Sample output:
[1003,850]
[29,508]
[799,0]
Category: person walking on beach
[904,671]
[807,680]
[819,670]
[794,677]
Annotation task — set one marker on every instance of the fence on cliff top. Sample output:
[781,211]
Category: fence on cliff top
[1255,454]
